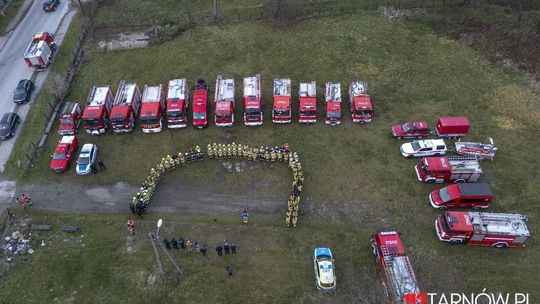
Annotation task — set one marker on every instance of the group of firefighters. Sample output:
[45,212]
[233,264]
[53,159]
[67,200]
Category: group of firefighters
[142,198]
[221,151]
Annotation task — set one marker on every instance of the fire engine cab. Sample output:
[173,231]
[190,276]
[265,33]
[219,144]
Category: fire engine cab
[448,169]
[152,108]
[253,113]
[308,102]
[360,102]
[395,267]
[333,104]
[200,105]
[482,228]
[98,107]
[281,112]
[177,103]
[70,118]
[125,107]
[224,102]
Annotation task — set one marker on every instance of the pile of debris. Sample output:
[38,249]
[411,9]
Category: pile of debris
[16,244]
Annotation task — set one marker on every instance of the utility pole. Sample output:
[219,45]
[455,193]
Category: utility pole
[215,10]
[158,260]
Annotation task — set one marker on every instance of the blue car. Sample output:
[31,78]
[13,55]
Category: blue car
[87,159]
[325,272]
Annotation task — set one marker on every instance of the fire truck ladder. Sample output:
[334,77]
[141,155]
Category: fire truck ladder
[122,94]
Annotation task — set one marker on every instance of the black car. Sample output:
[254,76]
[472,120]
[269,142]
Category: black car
[8,125]
[50,5]
[23,91]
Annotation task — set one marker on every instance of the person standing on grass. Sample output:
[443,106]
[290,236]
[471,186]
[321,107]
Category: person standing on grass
[174,243]
[233,248]
[131,226]
[188,245]
[229,270]
[226,247]
[245,217]
[219,250]
[182,243]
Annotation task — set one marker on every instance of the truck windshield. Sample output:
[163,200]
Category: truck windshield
[281,112]
[59,155]
[405,127]
[222,116]
[149,120]
[66,120]
[444,195]
[308,113]
[118,121]
[199,115]
[92,122]
[174,114]
[363,112]
[252,111]
[444,223]
[333,114]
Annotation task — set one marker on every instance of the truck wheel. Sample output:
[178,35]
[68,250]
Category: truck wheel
[459,181]
[500,245]
[456,241]
[419,137]
[398,137]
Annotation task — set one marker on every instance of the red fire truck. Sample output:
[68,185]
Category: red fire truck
[452,127]
[395,267]
[125,107]
[253,112]
[467,195]
[308,102]
[177,103]
[448,169]
[360,102]
[200,105]
[224,102]
[333,103]
[151,117]
[97,110]
[281,112]
[39,52]
[482,228]
[70,118]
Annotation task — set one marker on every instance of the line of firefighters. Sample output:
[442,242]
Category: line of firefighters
[221,151]
[140,201]
[270,154]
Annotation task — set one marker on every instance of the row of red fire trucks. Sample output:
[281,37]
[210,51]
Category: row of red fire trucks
[129,106]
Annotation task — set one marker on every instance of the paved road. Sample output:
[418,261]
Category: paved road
[12,66]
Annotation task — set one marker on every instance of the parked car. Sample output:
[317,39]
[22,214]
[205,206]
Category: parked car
[50,5]
[8,125]
[23,91]
[413,129]
[87,159]
[325,272]
[423,148]
[464,195]
[63,153]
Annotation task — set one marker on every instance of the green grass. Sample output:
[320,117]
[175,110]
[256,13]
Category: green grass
[10,12]
[353,171]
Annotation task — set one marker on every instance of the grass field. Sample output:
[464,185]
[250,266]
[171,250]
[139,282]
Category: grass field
[354,171]
[9,13]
